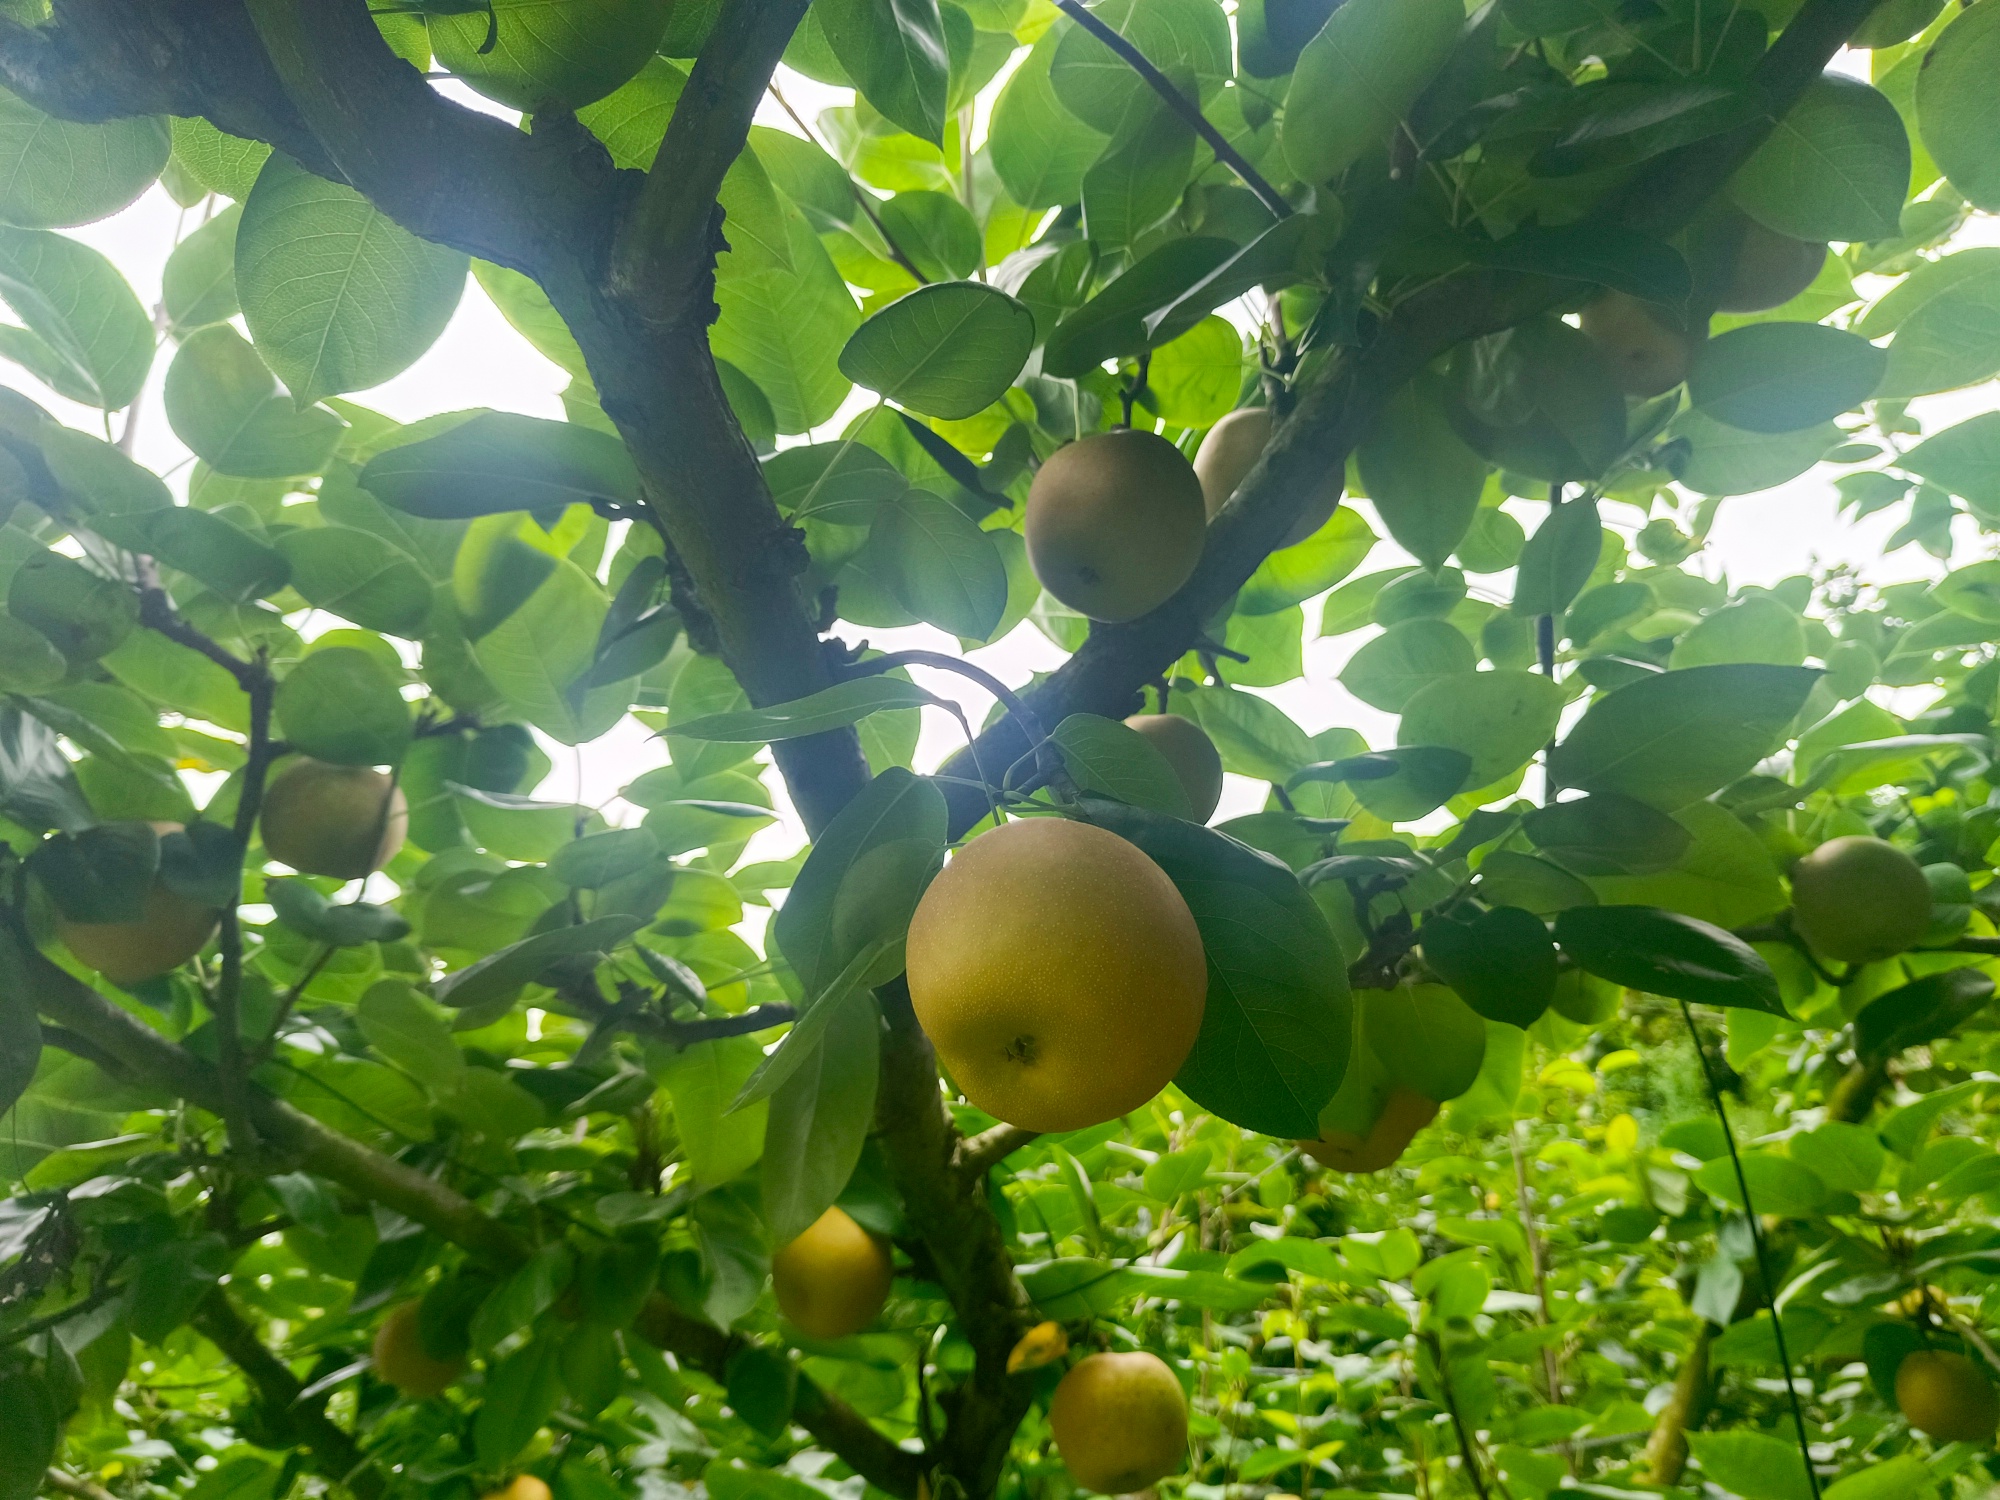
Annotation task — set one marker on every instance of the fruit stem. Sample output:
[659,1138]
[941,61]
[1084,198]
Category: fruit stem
[1757,1241]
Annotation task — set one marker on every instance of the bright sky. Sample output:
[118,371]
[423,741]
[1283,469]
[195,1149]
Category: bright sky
[481,362]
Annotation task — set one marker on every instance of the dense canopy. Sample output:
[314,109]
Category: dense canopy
[1576,1075]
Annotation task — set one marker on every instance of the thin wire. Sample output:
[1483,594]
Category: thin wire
[1757,1240]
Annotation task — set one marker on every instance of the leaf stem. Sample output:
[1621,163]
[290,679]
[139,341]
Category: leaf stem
[1757,1240]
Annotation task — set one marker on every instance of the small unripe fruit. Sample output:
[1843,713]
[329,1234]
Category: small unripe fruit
[1859,900]
[1231,449]
[169,930]
[521,1487]
[1120,1422]
[403,1361]
[343,821]
[832,1280]
[1058,972]
[1115,524]
[1647,358]
[1185,746]
[1947,1397]
[1769,270]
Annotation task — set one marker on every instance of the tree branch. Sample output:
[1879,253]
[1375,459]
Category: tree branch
[1188,109]
[1106,674]
[305,1423]
[979,1154]
[665,246]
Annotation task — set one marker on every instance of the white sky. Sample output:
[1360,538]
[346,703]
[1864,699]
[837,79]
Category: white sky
[481,362]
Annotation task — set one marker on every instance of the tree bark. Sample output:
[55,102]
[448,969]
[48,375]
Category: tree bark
[1667,1449]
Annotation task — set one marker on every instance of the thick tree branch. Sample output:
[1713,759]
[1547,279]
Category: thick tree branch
[531,201]
[305,1423]
[1105,676]
[664,246]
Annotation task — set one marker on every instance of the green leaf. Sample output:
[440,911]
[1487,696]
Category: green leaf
[337,296]
[203,545]
[1188,40]
[1836,167]
[935,231]
[522,1392]
[1400,785]
[1847,1158]
[351,924]
[941,567]
[1278,1023]
[1393,668]
[86,335]
[894,50]
[1040,150]
[403,1027]
[1292,575]
[1557,561]
[1964,459]
[1899,1477]
[1777,1185]
[60,172]
[1944,314]
[800,1045]
[1497,719]
[820,1118]
[31,1436]
[358,576]
[1751,629]
[817,928]
[947,350]
[1195,379]
[1956,112]
[784,328]
[1665,953]
[1253,734]
[1114,760]
[341,705]
[1140,177]
[498,462]
[1115,321]
[1424,481]
[222,163]
[101,874]
[1919,1012]
[85,614]
[500,976]
[225,405]
[20,1029]
[198,286]
[1717,459]
[702,1080]
[1356,79]
[539,656]
[1672,737]
[1502,962]
[831,708]
[1608,834]
[1784,377]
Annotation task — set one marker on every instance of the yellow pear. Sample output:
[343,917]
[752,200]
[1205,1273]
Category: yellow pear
[343,821]
[1647,357]
[170,930]
[403,1361]
[521,1487]
[1229,451]
[1947,1397]
[1120,1422]
[832,1280]
[1058,973]
[1115,523]
[1185,746]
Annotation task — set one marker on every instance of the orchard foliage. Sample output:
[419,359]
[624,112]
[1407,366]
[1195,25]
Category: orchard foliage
[381,1122]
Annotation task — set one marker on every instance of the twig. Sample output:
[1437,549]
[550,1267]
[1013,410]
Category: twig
[1181,105]
[1473,1469]
[67,1483]
[979,1154]
[863,200]
[1757,1241]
